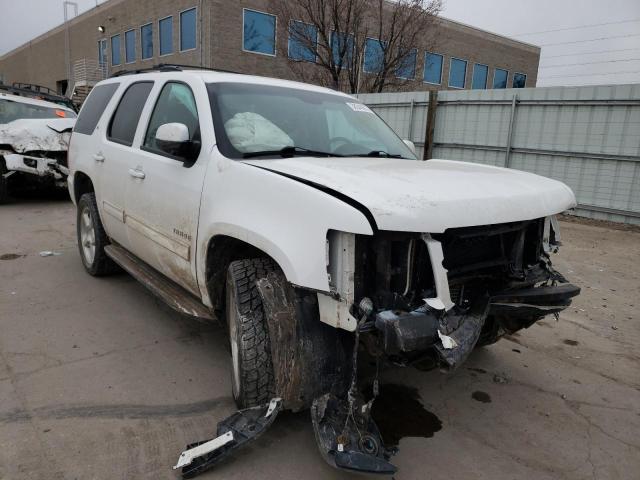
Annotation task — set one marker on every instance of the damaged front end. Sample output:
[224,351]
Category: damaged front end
[404,297]
[34,151]
[437,296]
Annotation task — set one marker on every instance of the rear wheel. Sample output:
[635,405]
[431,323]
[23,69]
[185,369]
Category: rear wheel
[92,238]
[253,378]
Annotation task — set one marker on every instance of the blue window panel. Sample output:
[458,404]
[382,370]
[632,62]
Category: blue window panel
[146,41]
[259,32]
[433,68]
[102,52]
[457,73]
[500,78]
[407,65]
[339,43]
[374,55]
[130,46]
[166,36]
[115,50]
[188,30]
[303,41]
[480,74]
[519,80]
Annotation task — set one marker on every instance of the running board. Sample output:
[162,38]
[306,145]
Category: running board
[170,292]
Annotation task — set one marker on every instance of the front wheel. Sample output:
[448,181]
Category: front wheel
[92,238]
[253,381]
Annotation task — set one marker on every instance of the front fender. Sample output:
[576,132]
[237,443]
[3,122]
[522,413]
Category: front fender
[284,218]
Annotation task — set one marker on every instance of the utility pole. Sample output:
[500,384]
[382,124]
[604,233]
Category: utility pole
[67,41]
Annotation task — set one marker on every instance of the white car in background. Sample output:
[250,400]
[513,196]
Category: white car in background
[34,139]
[297,216]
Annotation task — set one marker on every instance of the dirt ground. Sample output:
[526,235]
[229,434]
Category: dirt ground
[98,380]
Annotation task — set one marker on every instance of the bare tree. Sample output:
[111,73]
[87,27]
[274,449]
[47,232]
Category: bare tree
[357,45]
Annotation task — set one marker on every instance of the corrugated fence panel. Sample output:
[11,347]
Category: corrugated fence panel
[587,137]
[409,122]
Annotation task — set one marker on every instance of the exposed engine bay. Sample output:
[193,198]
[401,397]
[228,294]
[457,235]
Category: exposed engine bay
[438,295]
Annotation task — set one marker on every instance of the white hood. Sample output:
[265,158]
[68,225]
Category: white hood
[431,196]
[41,134]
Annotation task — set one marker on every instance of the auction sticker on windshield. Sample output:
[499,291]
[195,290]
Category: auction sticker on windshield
[359,107]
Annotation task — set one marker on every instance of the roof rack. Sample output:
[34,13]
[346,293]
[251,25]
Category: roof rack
[168,67]
[38,92]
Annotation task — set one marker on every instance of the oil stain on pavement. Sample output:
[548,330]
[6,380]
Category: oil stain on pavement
[399,413]
[479,396]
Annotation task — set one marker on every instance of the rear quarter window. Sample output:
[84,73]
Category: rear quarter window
[93,108]
[125,120]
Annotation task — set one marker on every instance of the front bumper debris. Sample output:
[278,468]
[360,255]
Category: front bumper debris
[347,436]
[454,333]
[38,166]
[233,433]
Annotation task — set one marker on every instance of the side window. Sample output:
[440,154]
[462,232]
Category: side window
[124,122]
[175,104]
[93,108]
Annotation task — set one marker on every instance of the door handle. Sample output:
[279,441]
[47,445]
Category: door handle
[135,173]
[98,157]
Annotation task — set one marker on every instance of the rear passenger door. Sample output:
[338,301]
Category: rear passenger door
[118,159]
[163,203]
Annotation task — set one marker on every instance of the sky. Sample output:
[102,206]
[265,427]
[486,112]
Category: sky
[584,42]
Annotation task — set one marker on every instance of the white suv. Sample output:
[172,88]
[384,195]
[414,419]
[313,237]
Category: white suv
[298,216]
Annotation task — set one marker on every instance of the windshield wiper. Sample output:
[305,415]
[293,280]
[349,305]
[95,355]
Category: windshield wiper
[379,153]
[290,152]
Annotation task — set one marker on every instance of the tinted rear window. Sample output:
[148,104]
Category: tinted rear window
[11,110]
[125,120]
[94,107]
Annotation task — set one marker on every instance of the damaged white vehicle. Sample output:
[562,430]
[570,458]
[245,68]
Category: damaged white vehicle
[34,139]
[297,216]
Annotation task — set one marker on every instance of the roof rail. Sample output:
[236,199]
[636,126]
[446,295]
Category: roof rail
[169,67]
[38,92]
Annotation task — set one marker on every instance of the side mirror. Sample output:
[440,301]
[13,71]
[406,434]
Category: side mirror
[411,145]
[173,138]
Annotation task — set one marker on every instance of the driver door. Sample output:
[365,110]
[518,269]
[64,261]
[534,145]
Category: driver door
[163,196]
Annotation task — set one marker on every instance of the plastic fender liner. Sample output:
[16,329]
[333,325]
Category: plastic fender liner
[309,358]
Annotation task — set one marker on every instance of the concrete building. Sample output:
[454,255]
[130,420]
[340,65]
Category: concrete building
[244,36]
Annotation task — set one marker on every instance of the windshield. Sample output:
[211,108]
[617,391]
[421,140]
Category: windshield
[254,121]
[11,110]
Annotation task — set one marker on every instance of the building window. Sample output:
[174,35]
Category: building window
[373,55]
[480,75]
[259,32]
[102,52]
[130,46]
[457,73]
[500,78]
[146,41]
[407,65]
[115,50]
[166,35]
[303,41]
[342,49]
[188,30]
[433,68]
[519,80]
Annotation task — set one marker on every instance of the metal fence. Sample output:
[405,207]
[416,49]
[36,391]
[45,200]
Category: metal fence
[588,137]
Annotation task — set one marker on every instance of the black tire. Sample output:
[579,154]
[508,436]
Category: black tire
[252,373]
[100,264]
[4,183]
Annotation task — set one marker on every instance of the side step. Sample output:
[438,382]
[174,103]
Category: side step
[170,292]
